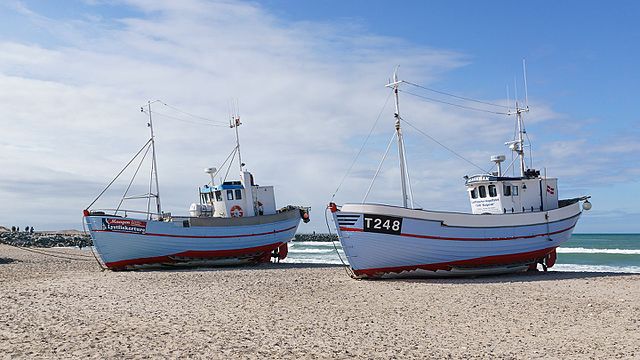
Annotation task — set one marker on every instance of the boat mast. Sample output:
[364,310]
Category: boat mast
[401,155]
[521,131]
[234,123]
[155,165]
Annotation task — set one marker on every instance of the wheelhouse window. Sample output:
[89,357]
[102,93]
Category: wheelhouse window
[492,191]
[229,194]
[506,189]
[238,194]
[514,190]
[218,195]
[482,191]
[474,193]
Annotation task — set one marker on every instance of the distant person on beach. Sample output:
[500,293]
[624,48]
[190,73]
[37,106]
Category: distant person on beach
[26,229]
[13,229]
[31,230]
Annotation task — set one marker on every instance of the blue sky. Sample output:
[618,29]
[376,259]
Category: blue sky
[309,77]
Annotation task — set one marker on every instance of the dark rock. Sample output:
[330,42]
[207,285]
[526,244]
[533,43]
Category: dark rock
[315,237]
[45,240]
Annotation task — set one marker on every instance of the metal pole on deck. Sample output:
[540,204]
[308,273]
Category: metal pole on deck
[155,165]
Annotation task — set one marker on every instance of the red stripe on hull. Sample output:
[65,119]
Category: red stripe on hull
[342,228]
[196,254]
[203,236]
[495,260]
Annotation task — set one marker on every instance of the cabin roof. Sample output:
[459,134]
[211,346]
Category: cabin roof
[209,189]
[484,178]
[487,178]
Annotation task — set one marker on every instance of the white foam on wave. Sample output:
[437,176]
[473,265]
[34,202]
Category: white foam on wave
[580,250]
[293,250]
[328,261]
[314,243]
[596,268]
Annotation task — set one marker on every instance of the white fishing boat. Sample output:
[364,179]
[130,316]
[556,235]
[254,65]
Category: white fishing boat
[235,222]
[516,223]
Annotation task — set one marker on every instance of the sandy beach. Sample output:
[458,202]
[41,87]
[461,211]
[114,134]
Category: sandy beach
[57,308]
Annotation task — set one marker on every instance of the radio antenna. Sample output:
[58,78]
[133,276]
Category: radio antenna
[526,93]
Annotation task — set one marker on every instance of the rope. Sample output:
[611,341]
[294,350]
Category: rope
[444,146]
[84,229]
[363,145]
[379,167]
[41,252]
[120,173]
[346,267]
[51,250]
[456,96]
[452,104]
[93,251]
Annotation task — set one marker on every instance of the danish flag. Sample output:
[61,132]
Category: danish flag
[550,190]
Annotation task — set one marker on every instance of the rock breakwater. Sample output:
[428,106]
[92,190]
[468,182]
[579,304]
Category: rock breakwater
[45,240]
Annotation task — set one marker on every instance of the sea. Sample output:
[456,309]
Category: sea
[619,253]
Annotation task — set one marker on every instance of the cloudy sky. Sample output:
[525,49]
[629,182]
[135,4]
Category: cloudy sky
[308,78]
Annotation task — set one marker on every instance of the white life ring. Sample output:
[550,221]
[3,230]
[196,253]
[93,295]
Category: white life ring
[236,211]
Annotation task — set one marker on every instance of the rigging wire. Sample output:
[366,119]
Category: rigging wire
[453,104]
[530,151]
[444,146]
[132,179]
[155,112]
[120,173]
[224,162]
[363,145]
[456,96]
[192,115]
[379,167]
[235,151]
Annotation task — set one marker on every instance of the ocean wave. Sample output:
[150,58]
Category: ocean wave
[596,268]
[293,250]
[330,261]
[314,243]
[581,250]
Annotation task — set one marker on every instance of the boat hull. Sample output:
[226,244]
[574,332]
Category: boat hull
[126,243]
[388,241]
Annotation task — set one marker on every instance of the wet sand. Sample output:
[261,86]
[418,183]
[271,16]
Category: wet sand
[58,308]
